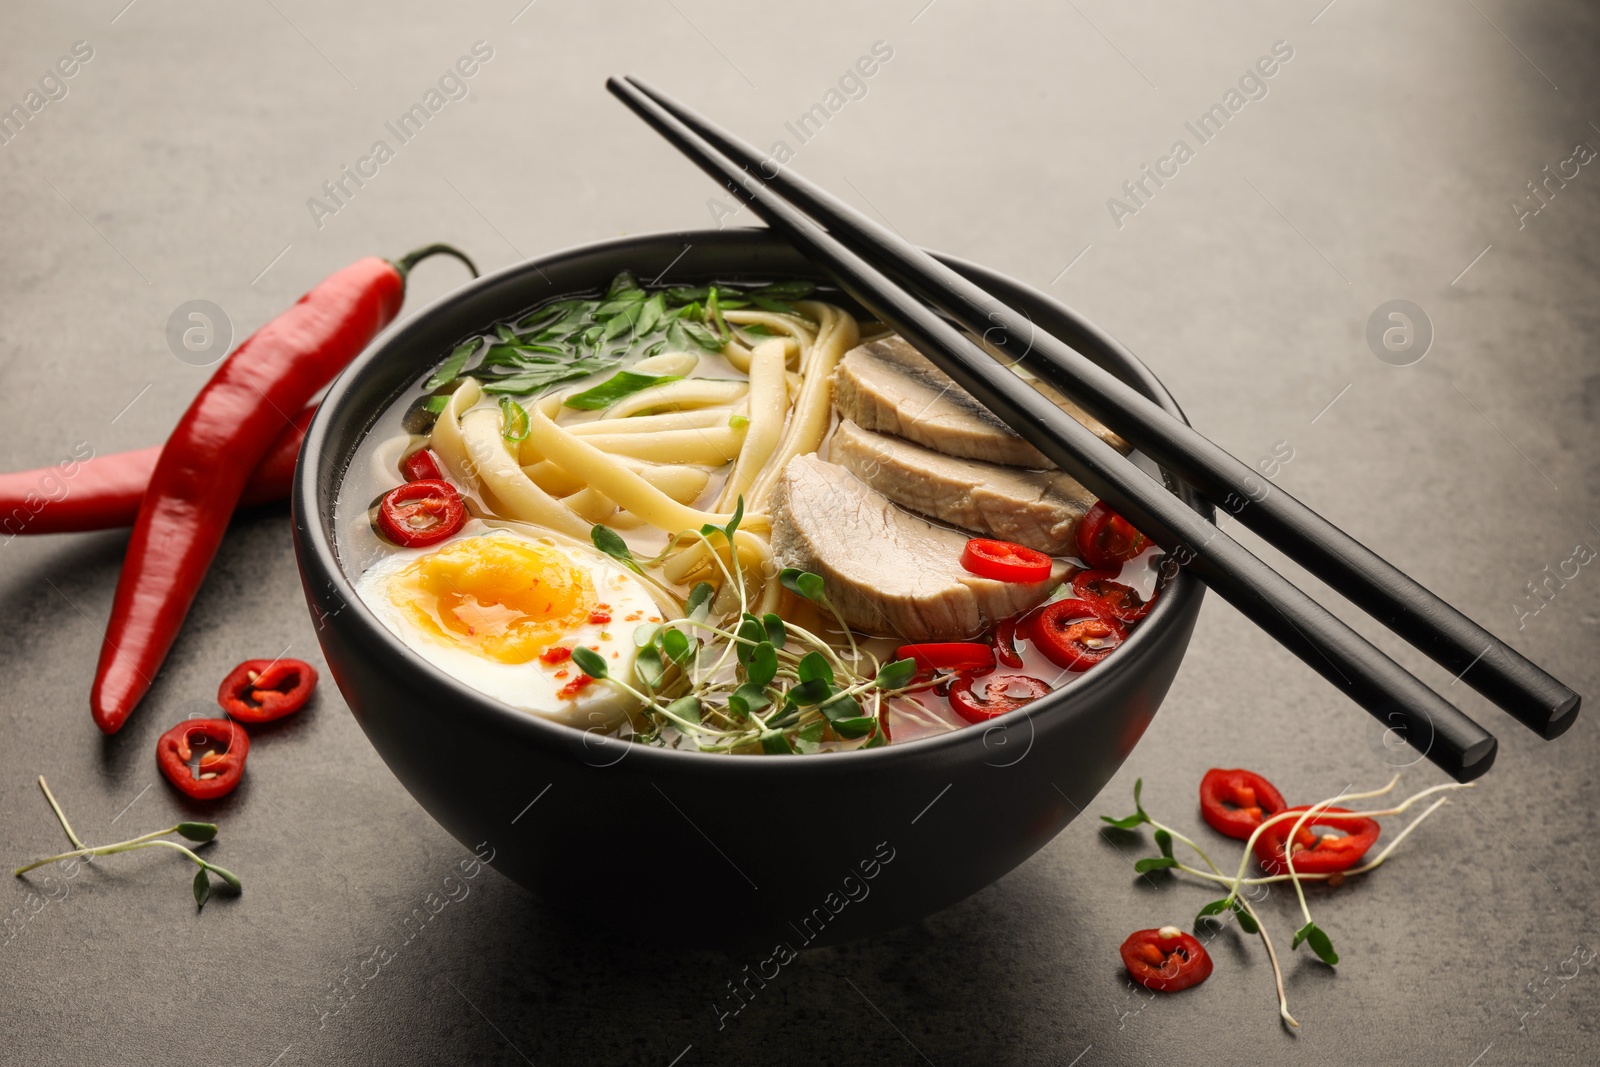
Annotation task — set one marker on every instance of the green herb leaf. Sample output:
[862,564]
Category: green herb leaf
[1154,863]
[751,633]
[755,329]
[589,662]
[738,422]
[841,707]
[853,728]
[1130,823]
[435,405]
[198,831]
[763,666]
[1247,922]
[807,694]
[1164,843]
[624,282]
[525,357]
[611,543]
[515,423]
[614,388]
[738,517]
[773,743]
[699,598]
[648,666]
[776,633]
[649,316]
[1138,784]
[686,708]
[700,335]
[877,740]
[809,737]
[676,644]
[896,675]
[536,381]
[450,369]
[802,583]
[748,699]
[229,877]
[814,666]
[202,887]
[767,303]
[1319,943]
[1216,907]
[681,295]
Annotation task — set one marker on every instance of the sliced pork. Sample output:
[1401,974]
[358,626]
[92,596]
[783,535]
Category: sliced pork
[888,386]
[887,571]
[1040,509]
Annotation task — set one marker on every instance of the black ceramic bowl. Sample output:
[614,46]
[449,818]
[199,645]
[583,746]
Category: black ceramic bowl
[731,851]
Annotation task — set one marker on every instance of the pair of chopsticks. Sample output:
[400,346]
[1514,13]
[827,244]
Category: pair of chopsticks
[897,282]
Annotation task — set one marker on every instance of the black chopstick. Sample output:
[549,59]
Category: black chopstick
[1445,735]
[1475,656]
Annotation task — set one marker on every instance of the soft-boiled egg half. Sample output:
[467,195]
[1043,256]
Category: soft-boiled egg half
[501,612]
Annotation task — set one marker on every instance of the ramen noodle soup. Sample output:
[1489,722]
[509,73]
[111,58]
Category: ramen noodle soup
[731,520]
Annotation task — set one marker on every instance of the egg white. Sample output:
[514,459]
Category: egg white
[533,686]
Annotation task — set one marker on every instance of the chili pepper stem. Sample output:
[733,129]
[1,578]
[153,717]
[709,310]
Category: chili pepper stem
[61,815]
[404,264]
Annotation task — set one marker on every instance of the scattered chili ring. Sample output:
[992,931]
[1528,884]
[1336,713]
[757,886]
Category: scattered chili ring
[420,466]
[1005,643]
[421,513]
[260,690]
[1316,854]
[1073,635]
[227,431]
[1105,538]
[1004,561]
[999,696]
[218,772]
[1236,802]
[1165,959]
[949,656]
[1100,589]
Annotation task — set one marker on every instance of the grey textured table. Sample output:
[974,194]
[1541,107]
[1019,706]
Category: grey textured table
[1387,158]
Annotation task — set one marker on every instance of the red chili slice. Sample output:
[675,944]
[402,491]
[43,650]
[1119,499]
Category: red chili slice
[1004,561]
[421,513]
[1005,643]
[1236,802]
[420,466]
[218,772]
[260,690]
[1000,695]
[1105,538]
[949,656]
[1317,854]
[1120,601]
[1073,635]
[1165,959]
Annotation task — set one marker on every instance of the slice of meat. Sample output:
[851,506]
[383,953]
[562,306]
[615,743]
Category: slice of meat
[887,571]
[889,386]
[1040,509]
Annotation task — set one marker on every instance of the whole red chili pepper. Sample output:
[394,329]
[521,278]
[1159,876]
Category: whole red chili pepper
[103,492]
[261,690]
[219,770]
[203,468]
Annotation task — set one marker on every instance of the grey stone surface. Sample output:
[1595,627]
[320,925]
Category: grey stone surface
[1382,164]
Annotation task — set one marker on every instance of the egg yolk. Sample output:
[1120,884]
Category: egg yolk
[501,598]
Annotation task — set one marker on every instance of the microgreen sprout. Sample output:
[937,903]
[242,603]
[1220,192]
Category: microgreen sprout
[199,832]
[729,679]
[1249,920]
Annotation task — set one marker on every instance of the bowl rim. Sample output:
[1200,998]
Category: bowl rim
[313,520]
